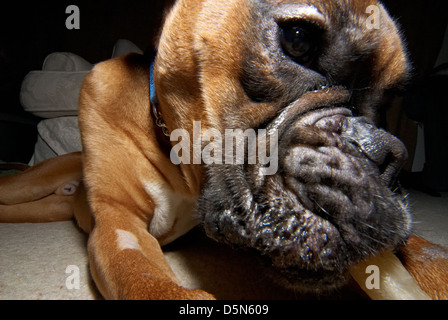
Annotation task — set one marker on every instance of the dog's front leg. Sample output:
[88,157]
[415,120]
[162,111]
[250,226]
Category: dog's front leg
[127,262]
[131,185]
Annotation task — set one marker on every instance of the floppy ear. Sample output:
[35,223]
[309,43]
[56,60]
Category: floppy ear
[428,265]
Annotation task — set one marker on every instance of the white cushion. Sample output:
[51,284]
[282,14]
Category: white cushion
[65,61]
[50,94]
[123,47]
[56,137]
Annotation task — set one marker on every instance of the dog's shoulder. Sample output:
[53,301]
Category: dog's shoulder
[112,78]
[114,91]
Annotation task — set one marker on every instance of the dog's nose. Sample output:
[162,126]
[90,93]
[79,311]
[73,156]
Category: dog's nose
[381,147]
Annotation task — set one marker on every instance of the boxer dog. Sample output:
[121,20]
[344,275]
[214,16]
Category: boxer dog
[310,73]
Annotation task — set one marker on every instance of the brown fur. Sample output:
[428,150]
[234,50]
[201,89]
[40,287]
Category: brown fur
[428,264]
[24,194]
[119,200]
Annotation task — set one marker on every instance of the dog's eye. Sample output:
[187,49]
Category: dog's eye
[300,41]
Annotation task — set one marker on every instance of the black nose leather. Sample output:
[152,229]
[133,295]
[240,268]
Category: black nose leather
[381,147]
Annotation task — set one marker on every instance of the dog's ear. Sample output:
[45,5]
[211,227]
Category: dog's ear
[428,265]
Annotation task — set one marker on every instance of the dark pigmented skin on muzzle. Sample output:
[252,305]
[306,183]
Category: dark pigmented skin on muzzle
[331,202]
[328,206]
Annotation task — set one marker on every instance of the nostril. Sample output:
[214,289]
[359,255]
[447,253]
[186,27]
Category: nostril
[390,168]
[388,160]
[385,150]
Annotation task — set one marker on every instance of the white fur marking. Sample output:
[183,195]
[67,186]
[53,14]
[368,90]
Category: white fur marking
[173,212]
[126,240]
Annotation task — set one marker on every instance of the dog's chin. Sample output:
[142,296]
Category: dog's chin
[318,282]
[329,206]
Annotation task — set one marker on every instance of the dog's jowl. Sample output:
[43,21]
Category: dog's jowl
[309,73]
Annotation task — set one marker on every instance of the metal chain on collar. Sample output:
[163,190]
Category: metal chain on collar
[155,102]
[159,120]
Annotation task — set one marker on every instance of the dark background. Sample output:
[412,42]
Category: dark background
[29,31]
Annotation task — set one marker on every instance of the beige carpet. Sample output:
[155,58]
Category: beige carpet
[34,259]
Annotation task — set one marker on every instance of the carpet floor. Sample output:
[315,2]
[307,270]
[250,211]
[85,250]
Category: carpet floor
[37,260]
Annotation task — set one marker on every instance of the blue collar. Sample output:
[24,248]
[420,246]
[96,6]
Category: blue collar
[154,101]
[152,87]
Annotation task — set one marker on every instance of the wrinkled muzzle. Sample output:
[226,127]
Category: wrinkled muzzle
[329,205]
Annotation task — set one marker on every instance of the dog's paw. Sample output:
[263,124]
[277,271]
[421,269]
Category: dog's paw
[173,291]
[198,295]
[181,293]
[166,292]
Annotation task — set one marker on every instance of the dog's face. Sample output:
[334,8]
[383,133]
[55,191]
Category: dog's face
[313,73]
